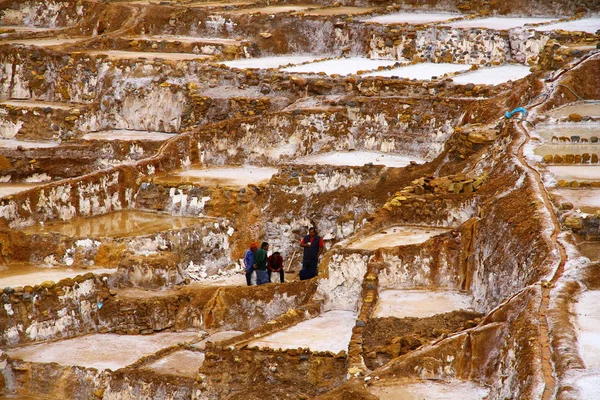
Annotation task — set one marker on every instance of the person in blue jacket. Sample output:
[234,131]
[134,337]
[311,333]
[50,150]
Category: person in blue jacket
[249,262]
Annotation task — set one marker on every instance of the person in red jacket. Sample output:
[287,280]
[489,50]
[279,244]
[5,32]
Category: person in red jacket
[275,264]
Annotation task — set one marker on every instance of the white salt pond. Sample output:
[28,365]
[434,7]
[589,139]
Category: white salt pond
[341,66]
[101,351]
[566,148]
[268,62]
[588,387]
[396,236]
[127,135]
[494,75]
[588,321]
[339,11]
[13,144]
[589,25]
[23,274]
[358,158]
[37,104]
[275,9]
[44,42]
[127,223]
[330,331]
[6,189]
[420,303]
[583,130]
[584,199]
[186,39]
[424,71]
[21,28]
[180,363]
[581,108]
[121,54]
[575,172]
[498,22]
[430,390]
[411,18]
[225,176]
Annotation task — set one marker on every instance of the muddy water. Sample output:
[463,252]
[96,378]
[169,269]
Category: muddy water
[584,109]
[588,319]
[358,158]
[150,55]
[127,223]
[330,331]
[568,148]
[575,172]
[586,200]
[23,274]
[226,176]
[396,236]
[101,351]
[419,303]
[6,189]
[591,250]
[430,390]
[584,130]
[127,135]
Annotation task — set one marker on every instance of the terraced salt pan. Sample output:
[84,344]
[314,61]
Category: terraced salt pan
[120,54]
[127,135]
[6,189]
[425,71]
[590,250]
[218,4]
[340,66]
[44,42]
[430,390]
[586,200]
[101,351]
[498,23]
[116,224]
[589,25]
[411,18]
[13,144]
[419,303]
[187,39]
[568,148]
[583,130]
[181,363]
[588,387]
[584,109]
[225,176]
[396,236]
[330,331]
[358,158]
[494,75]
[37,104]
[340,11]
[20,28]
[588,321]
[576,172]
[275,9]
[268,62]
[23,274]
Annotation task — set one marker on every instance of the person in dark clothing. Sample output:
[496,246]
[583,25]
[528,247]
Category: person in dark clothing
[260,264]
[313,247]
[275,264]
[249,262]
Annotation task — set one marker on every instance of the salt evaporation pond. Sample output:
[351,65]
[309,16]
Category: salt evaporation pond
[585,199]
[186,39]
[101,351]
[589,25]
[121,54]
[583,173]
[274,9]
[14,143]
[430,390]
[6,189]
[21,28]
[339,11]
[497,22]
[225,176]
[180,363]
[44,42]
[419,303]
[421,71]
[590,250]
[494,75]
[583,130]
[23,274]
[116,224]
[127,135]
[330,331]
[396,236]
[341,66]
[588,387]
[588,320]
[358,158]
[268,62]
[411,18]
[37,104]
[584,109]
[566,148]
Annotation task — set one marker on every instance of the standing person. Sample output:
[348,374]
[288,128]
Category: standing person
[249,262]
[275,264]
[313,247]
[260,264]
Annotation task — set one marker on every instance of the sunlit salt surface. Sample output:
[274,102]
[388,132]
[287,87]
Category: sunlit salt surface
[330,331]
[23,274]
[339,11]
[590,250]
[37,104]
[411,18]
[566,148]
[341,66]
[396,236]
[498,23]
[116,224]
[588,320]
[274,9]
[589,25]
[121,54]
[584,109]
[584,199]
[429,390]
[358,158]
[127,135]
[181,363]
[101,351]
[419,303]
[494,75]
[13,144]
[186,39]
[565,131]
[43,42]
[423,71]
[588,387]
[6,189]
[225,176]
[576,172]
[268,62]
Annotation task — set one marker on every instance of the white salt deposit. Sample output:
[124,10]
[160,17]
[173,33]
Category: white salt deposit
[588,387]
[494,75]
[120,54]
[37,104]
[583,130]
[127,135]
[420,303]
[341,66]
[180,363]
[497,22]
[330,331]
[589,25]
[588,320]
[274,9]
[44,42]
[339,11]
[575,172]
[101,351]
[430,390]
[13,144]
[423,71]
[358,158]
[227,176]
[27,274]
[7,189]
[589,109]
[411,18]
[268,62]
[396,236]
[588,197]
